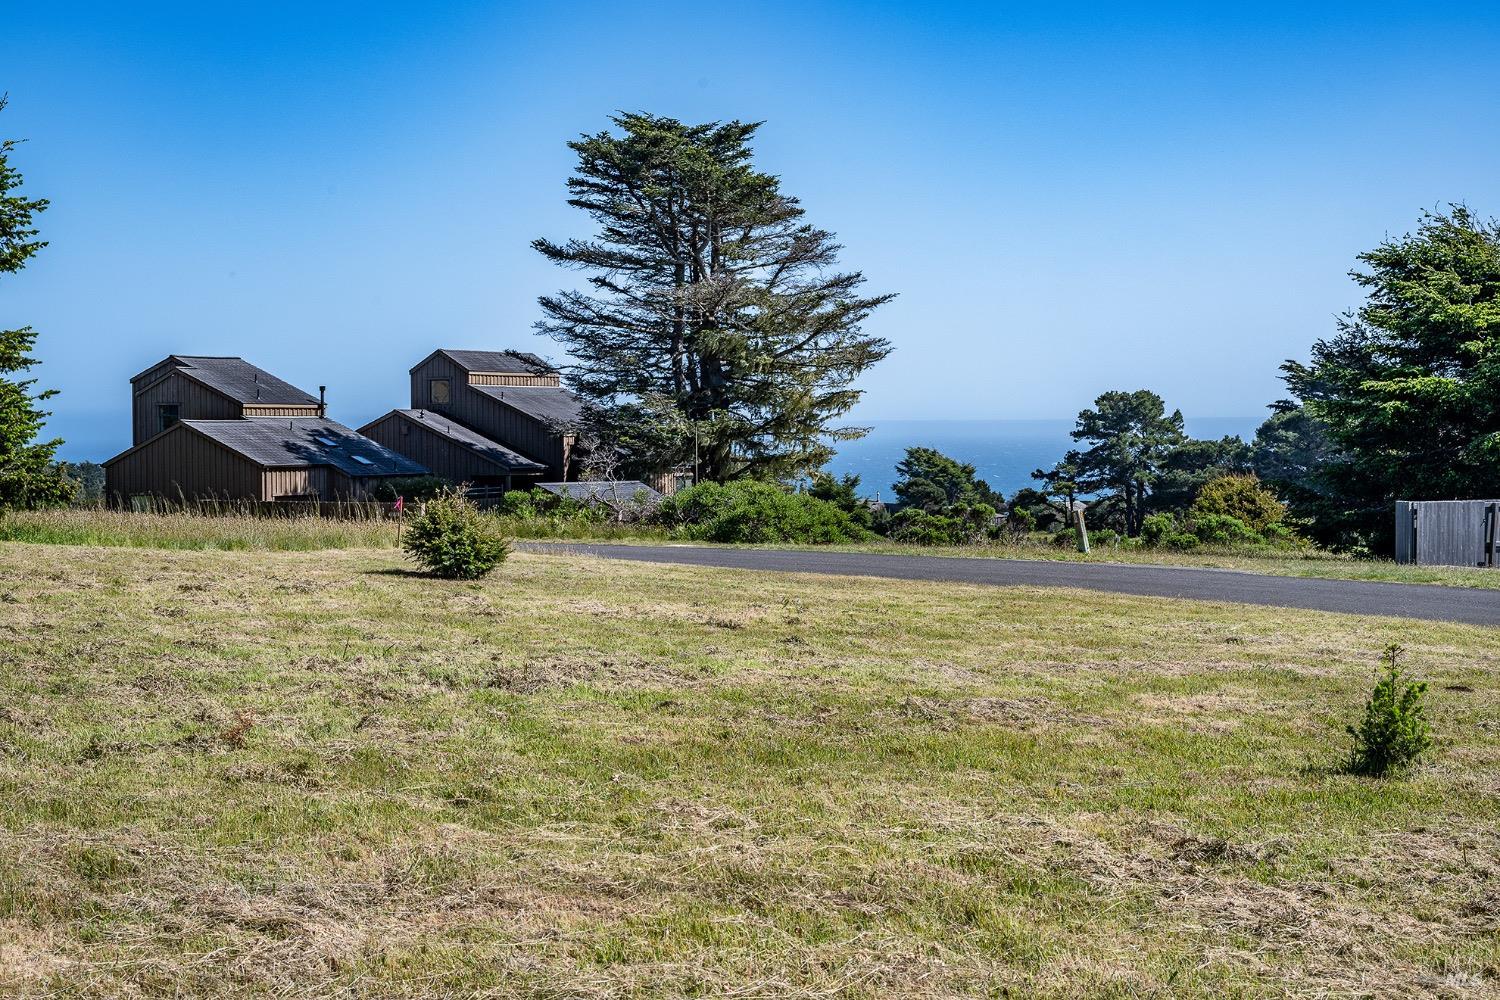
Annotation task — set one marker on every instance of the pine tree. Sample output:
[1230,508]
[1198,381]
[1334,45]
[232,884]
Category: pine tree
[1130,436]
[1407,391]
[717,329]
[28,475]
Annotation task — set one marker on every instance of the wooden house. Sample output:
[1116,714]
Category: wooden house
[184,387]
[223,429]
[497,403]
[451,450]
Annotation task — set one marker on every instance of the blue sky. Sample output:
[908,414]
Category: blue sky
[1069,201]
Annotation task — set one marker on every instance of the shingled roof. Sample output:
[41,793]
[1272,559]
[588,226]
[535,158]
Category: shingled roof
[551,405]
[499,362]
[496,452]
[279,442]
[239,379]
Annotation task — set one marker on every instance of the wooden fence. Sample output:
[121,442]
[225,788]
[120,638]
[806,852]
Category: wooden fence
[1447,532]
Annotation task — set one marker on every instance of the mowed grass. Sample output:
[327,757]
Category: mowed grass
[1308,562]
[234,532]
[310,774]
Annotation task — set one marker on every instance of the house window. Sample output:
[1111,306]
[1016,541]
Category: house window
[166,415]
[438,391]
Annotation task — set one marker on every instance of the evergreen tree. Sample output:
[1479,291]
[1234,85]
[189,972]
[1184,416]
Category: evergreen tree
[1060,487]
[1129,436]
[1292,454]
[717,329]
[1408,388]
[28,475]
[933,482]
[1192,464]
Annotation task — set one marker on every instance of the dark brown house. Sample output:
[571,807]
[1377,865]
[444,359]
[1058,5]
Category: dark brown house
[260,458]
[183,387]
[497,403]
[223,429]
[451,450]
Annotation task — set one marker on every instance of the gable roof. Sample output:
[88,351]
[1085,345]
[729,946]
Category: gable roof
[436,423]
[498,362]
[279,442]
[551,405]
[238,379]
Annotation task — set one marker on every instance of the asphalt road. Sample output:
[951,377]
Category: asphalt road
[1402,600]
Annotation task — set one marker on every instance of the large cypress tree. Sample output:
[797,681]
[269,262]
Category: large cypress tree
[1130,436]
[1408,389]
[28,475]
[717,328]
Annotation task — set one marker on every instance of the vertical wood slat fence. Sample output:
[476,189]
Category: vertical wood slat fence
[1447,532]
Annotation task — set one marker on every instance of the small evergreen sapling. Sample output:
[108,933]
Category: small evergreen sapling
[452,538]
[1394,732]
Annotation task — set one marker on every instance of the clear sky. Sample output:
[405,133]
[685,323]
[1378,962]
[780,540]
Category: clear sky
[1067,199]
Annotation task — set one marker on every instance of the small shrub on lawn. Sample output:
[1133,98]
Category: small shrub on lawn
[452,538]
[1394,732]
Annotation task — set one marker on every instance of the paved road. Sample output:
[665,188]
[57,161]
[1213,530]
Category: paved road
[1403,600]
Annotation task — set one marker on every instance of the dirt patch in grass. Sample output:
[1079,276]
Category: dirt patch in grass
[1021,713]
[29,955]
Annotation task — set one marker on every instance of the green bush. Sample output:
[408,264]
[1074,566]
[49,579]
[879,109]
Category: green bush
[1221,529]
[1241,497]
[914,526]
[1020,521]
[451,538]
[517,503]
[412,488]
[750,511]
[1394,731]
[843,493]
[1161,531]
[1157,527]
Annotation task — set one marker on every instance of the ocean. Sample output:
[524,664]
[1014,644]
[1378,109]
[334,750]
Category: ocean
[1005,452]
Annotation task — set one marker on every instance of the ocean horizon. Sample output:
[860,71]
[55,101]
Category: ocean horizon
[1004,452]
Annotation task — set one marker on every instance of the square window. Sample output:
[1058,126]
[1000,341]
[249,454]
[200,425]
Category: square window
[438,390]
[166,415]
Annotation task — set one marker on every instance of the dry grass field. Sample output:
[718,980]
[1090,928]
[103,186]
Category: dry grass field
[297,774]
[246,533]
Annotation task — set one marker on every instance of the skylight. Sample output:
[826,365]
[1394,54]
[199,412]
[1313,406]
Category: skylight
[330,442]
[361,460]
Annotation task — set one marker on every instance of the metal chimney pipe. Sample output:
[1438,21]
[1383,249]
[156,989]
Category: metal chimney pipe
[322,400]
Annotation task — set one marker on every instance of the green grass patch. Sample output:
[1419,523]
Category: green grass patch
[302,774]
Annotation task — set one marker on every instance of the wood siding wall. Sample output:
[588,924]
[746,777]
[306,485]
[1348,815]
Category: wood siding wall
[310,481]
[181,464]
[194,402]
[282,411]
[446,458]
[490,417]
[542,380]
